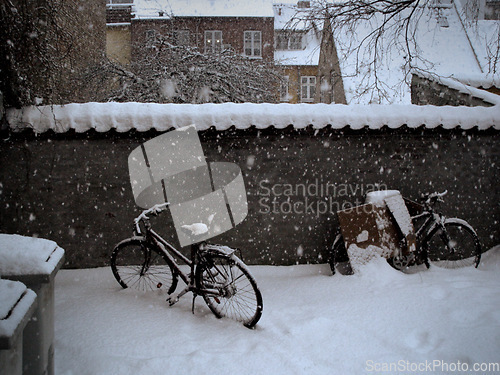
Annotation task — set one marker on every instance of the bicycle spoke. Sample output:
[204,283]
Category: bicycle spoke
[139,267]
[238,298]
[456,246]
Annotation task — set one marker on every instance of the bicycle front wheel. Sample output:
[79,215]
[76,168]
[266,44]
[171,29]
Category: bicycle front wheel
[455,246]
[229,289]
[138,265]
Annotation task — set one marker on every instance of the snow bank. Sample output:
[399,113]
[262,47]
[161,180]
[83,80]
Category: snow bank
[312,323]
[360,257]
[20,255]
[146,116]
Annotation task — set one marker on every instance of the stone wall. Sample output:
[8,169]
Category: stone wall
[74,188]
[429,92]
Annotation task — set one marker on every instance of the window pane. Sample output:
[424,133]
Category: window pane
[296,41]
[284,89]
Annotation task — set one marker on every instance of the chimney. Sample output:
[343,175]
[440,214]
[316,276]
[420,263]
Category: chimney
[303,4]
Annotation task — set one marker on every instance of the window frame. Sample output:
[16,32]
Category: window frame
[253,48]
[214,47]
[285,89]
[182,37]
[310,89]
[151,38]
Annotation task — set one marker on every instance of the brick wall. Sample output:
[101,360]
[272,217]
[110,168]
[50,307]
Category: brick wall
[119,14]
[74,188]
[232,31]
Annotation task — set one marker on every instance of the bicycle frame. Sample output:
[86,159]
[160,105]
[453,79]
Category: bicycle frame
[188,279]
[433,222]
[164,245]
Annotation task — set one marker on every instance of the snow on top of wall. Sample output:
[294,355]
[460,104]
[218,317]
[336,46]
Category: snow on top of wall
[484,80]
[462,87]
[20,255]
[146,116]
[147,9]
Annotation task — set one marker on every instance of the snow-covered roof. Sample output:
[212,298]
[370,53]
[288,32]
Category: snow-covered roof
[444,51]
[146,9]
[284,20]
[309,55]
[123,117]
[284,14]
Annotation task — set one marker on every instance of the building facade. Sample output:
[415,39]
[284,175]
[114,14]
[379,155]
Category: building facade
[260,31]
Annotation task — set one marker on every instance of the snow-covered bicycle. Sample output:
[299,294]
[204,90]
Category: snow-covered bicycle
[146,262]
[446,242]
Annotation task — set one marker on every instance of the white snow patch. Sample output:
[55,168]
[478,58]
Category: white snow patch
[362,237]
[15,301]
[21,255]
[196,229]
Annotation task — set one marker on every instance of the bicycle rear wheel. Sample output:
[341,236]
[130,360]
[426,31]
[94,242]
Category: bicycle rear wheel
[456,246]
[235,292]
[138,265]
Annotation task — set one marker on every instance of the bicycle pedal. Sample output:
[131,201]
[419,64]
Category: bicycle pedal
[172,301]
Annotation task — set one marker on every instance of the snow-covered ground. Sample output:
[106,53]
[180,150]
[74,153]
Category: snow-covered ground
[312,323]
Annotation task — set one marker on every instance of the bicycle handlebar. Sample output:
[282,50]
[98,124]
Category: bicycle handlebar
[155,210]
[434,197]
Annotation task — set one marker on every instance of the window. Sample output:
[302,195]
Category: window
[253,44]
[284,97]
[288,40]
[295,41]
[307,88]
[213,41]
[150,38]
[181,37]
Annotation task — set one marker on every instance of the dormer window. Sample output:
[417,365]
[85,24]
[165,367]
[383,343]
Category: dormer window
[288,40]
